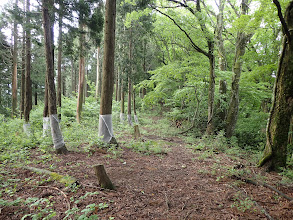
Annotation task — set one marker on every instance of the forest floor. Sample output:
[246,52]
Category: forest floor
[177,182]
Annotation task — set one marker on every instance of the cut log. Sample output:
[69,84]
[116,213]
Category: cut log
[66,180]
[136,132]
[103,179]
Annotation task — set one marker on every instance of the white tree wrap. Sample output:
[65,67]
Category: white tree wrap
[27,129]
[106,128]
[56,132]
[122,119]
[129,120]
[46,126]
[135,119]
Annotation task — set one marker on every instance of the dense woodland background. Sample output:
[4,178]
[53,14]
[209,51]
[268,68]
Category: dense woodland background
[207,68]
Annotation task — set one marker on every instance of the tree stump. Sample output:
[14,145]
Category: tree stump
[103,179]
[136,132]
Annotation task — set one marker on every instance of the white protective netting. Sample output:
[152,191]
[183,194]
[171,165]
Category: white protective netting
[57,137]
[129,120]
[122,118]
[27,129]
[106,128]
[135,119]
[46,126]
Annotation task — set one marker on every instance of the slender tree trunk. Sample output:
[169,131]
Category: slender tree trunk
[81,75]
[55,129]
[98,80]
[22,76]
[211,94]
[14,68]
[129,80]
[73,77]
[219,37]
[36,94]
[221,110]
[134,108]
[59,78]
[122,103]
[241,42]
[105,120]
[275,153]
[116,87]
[119,85]
[129,103]
[28,83]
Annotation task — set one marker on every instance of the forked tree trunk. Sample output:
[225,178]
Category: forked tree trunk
[241,42]
[275,153]
[105,119]
[81,75]
[58,141]
[14,68]
[28,83]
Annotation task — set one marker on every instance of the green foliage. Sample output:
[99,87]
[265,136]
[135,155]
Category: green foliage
[147,147]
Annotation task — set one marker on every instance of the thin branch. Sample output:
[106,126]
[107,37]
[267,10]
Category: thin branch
[233,7]
[198,49]
[286,30]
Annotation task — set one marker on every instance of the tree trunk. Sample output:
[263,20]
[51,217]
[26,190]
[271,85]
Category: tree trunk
[275,152]
[219,37]
[122,103]
[28,83]
[55,129]
[134,108]
[241,42]
[210,124]
[59,78]
[22,76]
[81,75]
[73,80]
[14,68]
[98,80]
[36,94]
[119,85]
[221,110]
[129,80]
[105,120]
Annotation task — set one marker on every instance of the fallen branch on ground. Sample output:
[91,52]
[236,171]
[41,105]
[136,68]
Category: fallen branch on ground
[262,184]
[262,209]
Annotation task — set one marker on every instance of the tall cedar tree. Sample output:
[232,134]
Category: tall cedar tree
[49,4]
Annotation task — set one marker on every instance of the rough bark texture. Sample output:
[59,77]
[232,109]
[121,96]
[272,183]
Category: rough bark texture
[28,83]
[275,153]
[81,75]
[241,42]
[219,37]
[103,179]
[108,62]
[14,68]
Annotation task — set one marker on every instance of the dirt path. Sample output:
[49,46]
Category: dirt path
[178,185]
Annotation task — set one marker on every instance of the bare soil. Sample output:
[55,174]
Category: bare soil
[178,185]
